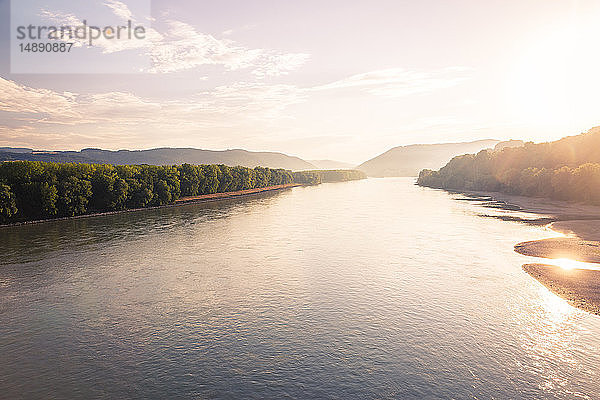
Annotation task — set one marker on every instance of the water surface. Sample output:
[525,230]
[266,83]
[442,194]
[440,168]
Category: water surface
[368,289]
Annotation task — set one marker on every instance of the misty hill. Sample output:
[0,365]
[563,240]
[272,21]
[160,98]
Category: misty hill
[161,156]
[15,150]
[330,164]
[410,160]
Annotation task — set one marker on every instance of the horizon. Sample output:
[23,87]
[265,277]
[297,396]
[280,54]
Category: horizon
[253,151]
[347,84]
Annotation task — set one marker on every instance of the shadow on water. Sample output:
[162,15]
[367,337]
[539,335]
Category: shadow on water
[34,242]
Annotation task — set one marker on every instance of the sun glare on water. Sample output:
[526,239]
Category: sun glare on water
[565,263]
[568,264]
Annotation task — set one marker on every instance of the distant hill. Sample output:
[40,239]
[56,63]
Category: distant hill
[410,160]
[331,164]
[15,150]
[162,156]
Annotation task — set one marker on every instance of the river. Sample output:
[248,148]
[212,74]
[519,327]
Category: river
[366,289]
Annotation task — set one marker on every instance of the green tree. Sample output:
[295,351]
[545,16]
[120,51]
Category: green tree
[8,203]
[73,196]
[191,178]
[49,197]
[163,192]
[211,181]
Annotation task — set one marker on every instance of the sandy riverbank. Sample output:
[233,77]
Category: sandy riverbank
[579,287]
[571,248]
[558,210]
[224,195]
[583,229]
[580,226]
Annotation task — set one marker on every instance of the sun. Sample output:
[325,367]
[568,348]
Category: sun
[554,78]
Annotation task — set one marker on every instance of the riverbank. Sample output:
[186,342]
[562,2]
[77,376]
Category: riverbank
[238,193]
[579,287]
[579,225]
[178,203]
[569,248]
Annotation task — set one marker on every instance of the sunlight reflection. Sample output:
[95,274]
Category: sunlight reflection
[551,328]
[557,309]
[568,264]
[564,262]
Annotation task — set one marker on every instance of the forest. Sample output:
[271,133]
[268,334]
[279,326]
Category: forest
[33,190]
[566,169]
[327,176]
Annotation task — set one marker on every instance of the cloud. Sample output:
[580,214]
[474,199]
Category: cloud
[399,82]
[224,106]
[21,99]
[243,112]
[247,113]
[119,9]
[246,27]
[180,47]
[265,102]
[271,64]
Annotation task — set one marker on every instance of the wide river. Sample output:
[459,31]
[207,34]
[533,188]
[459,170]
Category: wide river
[368,289]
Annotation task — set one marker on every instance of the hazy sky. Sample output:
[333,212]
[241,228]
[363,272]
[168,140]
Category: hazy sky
[332,79]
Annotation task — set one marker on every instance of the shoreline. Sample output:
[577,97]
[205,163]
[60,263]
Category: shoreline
[578,287]
[178,203]
[579,225]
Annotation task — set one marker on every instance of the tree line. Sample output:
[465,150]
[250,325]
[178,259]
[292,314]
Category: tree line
[567,169]
[32,190]
[327,176]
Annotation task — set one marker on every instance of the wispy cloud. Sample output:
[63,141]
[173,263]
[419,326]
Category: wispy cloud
[222,107]
[233,105]
[399,82]
[258,101]
[41,117]
[183,47]
[246,27]
[120,9]
[180,46]
[16,98]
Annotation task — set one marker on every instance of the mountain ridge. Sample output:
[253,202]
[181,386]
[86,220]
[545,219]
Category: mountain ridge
[409,160]
[161,156]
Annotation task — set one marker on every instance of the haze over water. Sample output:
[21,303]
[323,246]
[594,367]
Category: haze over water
[366,289]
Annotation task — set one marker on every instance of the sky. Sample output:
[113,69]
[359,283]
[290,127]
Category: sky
[343,80]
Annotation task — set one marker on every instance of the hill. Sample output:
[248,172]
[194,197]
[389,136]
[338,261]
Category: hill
[566,169]
[410,160]
[161,156]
